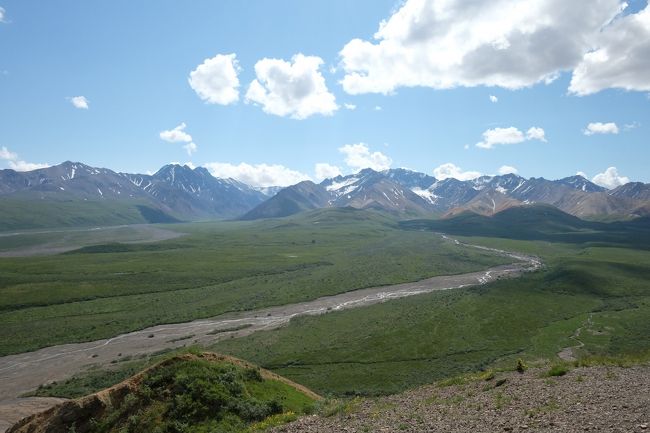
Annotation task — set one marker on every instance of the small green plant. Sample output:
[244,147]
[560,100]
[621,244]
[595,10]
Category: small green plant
[501,400]
[487,376]
[521,366]
[335,406]
[273,421]
[557,370]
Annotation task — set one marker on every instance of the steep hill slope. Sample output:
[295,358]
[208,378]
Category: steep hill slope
[186,393]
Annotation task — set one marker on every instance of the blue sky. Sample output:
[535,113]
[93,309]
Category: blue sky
[421,88]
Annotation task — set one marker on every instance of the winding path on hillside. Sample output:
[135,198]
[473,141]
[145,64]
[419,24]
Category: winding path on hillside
[24,372]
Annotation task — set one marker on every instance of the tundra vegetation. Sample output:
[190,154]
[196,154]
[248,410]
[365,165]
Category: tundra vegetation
[596,280]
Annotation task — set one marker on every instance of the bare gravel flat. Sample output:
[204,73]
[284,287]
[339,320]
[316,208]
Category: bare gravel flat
[596,399]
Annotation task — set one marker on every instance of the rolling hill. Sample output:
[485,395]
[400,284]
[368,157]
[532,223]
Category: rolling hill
[185,393]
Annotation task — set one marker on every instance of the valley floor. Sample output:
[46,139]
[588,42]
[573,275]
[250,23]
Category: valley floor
[598,399]
[24,372]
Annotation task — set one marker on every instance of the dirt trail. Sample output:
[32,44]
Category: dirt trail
[569,353]
[26,371]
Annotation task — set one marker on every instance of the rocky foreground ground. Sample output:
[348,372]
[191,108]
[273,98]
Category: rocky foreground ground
[596,399]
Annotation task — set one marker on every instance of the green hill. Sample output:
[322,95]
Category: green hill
[539,222]
[19,213]
[202,392]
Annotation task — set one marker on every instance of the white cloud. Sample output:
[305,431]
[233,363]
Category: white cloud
[350,106]
[448,170]
[190,148]
[505,43]
[6,154]
[511,135]
[582,173]
[358,156]
[326,171]
[535,133]
[631,126]
[619,58]
[507,169]
[80,102]
[17,164]
[494,99]
[610,178]
[215,80]
[296,89]
[176,135]
[378,108]
[3,14]
[601,128]
[26,166]
[257,174]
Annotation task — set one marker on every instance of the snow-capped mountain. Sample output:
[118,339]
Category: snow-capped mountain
[179,192]
[411,193]
[196,193]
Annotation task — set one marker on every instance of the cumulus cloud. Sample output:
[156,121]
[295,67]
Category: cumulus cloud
[176,135]
[601,128]
[257,174]
[620,58]
[511,135]
[17,164]
[506,43]
[448,170]
[350,106]
[582,173]
[3,14]
[216,81]
[326,171]
[610,178]
[535,133]
[190,148]
[296,89]
[6,154]
[80,102]
[507,169]
[494,99]
[358,156]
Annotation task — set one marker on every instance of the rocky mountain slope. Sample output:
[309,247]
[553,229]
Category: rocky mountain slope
[410,193]
[76,194]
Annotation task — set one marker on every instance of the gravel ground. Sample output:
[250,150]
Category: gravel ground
[597,399]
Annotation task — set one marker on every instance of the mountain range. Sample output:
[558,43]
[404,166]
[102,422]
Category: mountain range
[73,193]
[414,194]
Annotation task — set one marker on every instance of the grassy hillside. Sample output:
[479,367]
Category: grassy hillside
[31,213]
[103,290]
[595,287]
[540,222]
[200,392]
